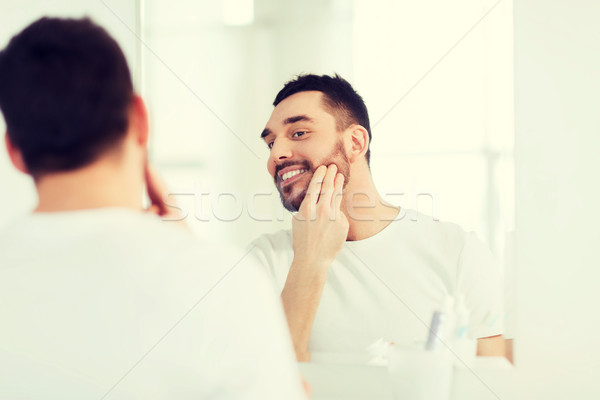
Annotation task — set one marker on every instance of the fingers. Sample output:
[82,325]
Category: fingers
[314,189]
[336,201]
[153,210]
[324,192]
[327,186]
[155,187]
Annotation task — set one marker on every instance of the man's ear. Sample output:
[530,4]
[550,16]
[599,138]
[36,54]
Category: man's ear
[15,155]
[359,138]
[139,120]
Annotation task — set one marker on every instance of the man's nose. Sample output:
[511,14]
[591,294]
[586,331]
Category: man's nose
[281,150]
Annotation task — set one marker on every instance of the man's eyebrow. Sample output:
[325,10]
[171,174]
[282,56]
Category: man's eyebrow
[266,132]
[297,118]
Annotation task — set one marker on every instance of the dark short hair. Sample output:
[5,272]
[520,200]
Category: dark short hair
[65,92]
[339,99]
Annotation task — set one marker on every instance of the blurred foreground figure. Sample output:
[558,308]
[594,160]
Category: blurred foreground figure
[98,297]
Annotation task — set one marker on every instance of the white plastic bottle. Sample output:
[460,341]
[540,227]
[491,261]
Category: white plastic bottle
[441,329]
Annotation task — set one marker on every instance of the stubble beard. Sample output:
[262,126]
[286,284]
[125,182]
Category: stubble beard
[337,157]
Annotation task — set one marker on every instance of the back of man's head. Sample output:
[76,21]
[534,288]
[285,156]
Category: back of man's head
[65,92]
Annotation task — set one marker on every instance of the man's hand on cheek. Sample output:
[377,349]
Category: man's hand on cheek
[320,227]
[157,191]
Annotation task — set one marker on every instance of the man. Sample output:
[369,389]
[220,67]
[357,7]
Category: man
[99,299]
[354,268]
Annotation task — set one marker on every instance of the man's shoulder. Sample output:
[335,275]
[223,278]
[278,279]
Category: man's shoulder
[106,234]
[418,233]
[275,252]
[430,227]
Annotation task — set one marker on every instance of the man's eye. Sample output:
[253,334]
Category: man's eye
[297,134]
[270,145]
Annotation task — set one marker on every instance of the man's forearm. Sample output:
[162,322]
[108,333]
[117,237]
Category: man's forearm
[301,296]
[319,230]
[491,346]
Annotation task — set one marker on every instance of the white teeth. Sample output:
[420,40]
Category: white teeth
[289,174]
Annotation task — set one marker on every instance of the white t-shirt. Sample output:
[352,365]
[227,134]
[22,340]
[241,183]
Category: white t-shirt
[388,286]
[116,304]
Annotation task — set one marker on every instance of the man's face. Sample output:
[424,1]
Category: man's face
[301,136]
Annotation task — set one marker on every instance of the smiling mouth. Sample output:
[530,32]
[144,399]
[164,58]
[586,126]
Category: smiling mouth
[291,176]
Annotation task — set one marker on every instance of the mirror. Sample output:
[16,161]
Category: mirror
[437,79]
